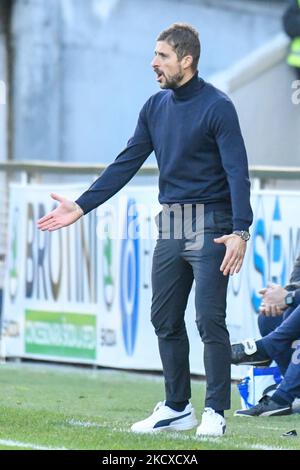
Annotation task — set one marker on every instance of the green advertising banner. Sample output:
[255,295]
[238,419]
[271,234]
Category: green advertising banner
[60,334]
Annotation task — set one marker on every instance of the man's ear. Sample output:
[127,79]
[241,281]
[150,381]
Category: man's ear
[187,61]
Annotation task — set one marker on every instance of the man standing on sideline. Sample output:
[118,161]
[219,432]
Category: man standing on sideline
[194,131]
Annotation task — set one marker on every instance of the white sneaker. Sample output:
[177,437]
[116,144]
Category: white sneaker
[296,405]
[164,418]
[212,424]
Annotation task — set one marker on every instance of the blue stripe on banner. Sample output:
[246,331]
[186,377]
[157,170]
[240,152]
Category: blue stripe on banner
[266,371]
[263,371]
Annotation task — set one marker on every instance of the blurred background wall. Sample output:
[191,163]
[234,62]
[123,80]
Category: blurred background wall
[80,69]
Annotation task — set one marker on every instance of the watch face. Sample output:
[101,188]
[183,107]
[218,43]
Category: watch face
[245,235]
[289,298]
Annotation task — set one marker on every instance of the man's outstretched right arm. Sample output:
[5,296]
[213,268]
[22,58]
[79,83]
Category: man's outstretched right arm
[125,166]
[115,176]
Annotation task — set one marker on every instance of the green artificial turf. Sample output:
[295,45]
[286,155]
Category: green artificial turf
[83,408]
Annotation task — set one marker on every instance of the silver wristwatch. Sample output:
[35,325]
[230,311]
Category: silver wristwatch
[243,234]
[289,298]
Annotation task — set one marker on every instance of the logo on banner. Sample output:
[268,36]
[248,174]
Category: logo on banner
[108,280]
[10,328]
[277,254]
[269,257]
[129,276]
[13,267]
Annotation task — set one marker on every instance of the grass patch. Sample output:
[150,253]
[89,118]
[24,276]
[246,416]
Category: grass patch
[81,408]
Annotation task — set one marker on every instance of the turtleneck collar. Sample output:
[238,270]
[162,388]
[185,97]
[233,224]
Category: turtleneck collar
[189,88]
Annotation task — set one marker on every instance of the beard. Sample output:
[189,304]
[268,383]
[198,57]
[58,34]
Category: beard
[172,82]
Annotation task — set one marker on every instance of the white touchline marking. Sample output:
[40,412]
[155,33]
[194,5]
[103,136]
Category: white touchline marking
[178,436]
[86,424]
[170,434]
[27,445]
[263,447]
[89,424]
[269,428]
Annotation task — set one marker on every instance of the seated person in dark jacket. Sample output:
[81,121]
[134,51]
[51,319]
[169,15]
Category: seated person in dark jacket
[276,345]
[276,300]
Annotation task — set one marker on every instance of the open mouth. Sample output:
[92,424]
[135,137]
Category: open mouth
[159,76]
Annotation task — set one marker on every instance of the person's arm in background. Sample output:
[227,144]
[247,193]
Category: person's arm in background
[291,20]
[274,296]
[115,176]
[295,276]
[274,300]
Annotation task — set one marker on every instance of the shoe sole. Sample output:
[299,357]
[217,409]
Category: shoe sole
[284,412]
[245,416]
[252,363]
[182,427]
[174,427]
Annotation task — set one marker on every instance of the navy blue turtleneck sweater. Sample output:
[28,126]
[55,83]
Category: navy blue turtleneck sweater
[195,134]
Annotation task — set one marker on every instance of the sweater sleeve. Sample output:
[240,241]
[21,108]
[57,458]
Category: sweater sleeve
[296,298]
[295,276]
[227,133]
[125,166]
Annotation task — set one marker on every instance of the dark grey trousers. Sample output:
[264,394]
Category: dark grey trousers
[173,271]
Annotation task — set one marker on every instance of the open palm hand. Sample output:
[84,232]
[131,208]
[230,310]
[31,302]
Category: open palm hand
[66,213]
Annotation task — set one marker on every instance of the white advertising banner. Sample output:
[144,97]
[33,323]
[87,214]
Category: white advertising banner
[48,311]
[83,294]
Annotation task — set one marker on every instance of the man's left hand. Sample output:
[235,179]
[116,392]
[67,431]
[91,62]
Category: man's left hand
[235,252]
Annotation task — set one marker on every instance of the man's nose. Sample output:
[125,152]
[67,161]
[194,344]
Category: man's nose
[155,62]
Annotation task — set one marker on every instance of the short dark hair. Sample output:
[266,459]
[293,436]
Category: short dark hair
[184,40]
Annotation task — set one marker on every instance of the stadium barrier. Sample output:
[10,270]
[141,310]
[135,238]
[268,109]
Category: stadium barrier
[83,294]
